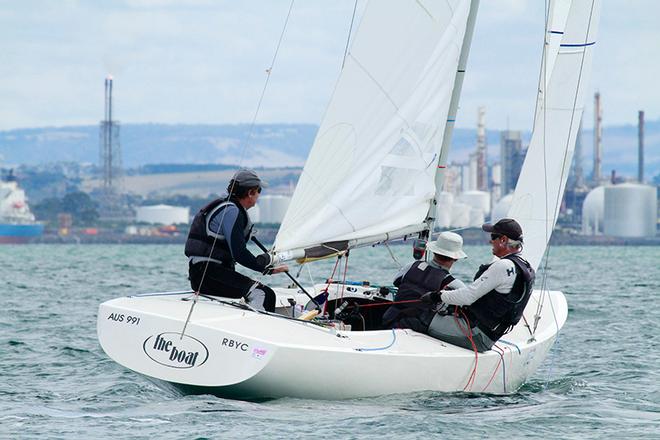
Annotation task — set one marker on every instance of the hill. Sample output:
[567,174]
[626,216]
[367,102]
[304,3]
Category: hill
[271,145]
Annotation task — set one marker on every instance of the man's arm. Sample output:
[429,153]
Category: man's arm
[232,229]
[499,276]
[455,284]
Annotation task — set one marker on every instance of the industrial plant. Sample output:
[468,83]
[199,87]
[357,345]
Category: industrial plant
[600,205]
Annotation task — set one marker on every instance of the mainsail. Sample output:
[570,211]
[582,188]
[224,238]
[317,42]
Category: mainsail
[371,171]
[571,34]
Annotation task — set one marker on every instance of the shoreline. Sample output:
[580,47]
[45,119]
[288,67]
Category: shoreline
[472,236]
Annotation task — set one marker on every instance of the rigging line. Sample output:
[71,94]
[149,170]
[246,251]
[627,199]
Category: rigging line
[348,39]
[268,73]
[240,162]
[568,140]
[497,367]
[392,255]
[556,344]
[546,10]
[544,110]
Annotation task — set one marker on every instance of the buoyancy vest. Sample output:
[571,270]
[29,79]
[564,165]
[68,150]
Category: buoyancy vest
[419,279]
[200,238]
[496,313]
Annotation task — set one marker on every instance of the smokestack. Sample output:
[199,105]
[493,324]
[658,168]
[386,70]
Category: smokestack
[598,135]
[640,136]
[613,177]
[482,159]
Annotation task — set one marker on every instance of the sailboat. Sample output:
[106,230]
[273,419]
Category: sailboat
[373,175]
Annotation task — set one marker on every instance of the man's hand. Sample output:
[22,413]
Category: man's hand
[280,268]
[430,297]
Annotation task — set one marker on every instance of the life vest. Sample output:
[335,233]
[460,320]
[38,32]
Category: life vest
[419,279]
[200,242]
[496,313]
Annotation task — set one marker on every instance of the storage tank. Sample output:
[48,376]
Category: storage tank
[255,214]
[162,214]
[444,209]
[272,208]
[501,209]
[593,211]
[476,199]
[460,215]
[477,217]
[631,210]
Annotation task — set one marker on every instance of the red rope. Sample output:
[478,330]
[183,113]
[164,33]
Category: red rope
[391,303]
[497,367]
[468,334]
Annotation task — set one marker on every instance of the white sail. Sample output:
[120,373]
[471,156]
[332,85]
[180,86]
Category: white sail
[560,102]
[372,166]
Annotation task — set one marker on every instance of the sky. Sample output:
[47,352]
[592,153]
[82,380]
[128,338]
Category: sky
[205,61]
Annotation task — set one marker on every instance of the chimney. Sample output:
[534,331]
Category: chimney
[598,118]
[640,137]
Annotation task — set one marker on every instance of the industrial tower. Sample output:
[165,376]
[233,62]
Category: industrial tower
[482,152]
[110,155]
[598,139]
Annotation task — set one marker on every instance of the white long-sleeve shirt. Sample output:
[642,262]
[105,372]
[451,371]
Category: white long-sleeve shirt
[500,276]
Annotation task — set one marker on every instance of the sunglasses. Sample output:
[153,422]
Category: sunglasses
[259,190]
[495,236]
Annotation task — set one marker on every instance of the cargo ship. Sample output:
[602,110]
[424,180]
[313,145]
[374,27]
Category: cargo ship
[17,223]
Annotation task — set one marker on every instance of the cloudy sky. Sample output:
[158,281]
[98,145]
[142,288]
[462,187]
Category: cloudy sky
[204,61]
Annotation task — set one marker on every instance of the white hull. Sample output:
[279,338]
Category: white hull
[233,352]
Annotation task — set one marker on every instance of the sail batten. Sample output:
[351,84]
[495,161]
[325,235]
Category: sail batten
[371,169]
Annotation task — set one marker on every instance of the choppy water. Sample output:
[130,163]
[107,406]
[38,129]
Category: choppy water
[601,380]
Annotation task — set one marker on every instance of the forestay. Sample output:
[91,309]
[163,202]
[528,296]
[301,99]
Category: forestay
[372,166]
[560,102]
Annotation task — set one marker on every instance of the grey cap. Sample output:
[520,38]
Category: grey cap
[246,178]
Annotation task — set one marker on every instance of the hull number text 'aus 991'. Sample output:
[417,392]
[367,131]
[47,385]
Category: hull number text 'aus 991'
[120,317]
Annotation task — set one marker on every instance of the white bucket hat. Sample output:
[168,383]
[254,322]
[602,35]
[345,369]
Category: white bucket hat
[448,244]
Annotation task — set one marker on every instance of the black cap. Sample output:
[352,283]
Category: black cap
[506,226]
[248,179]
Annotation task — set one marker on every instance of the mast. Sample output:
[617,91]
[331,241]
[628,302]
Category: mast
[453,109]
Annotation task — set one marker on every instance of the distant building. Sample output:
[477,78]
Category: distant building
[511,159]
[162,214]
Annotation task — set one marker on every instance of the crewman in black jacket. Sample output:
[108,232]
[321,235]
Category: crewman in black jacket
[218,240]
[491,305]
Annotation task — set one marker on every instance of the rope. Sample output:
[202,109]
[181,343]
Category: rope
[348,39]
[558,198]
[380,348]
[468,334]
[387,246]
[497,367]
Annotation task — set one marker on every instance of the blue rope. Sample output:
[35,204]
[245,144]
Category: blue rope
[381,348]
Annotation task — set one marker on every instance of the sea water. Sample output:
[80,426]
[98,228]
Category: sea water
[601,379]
